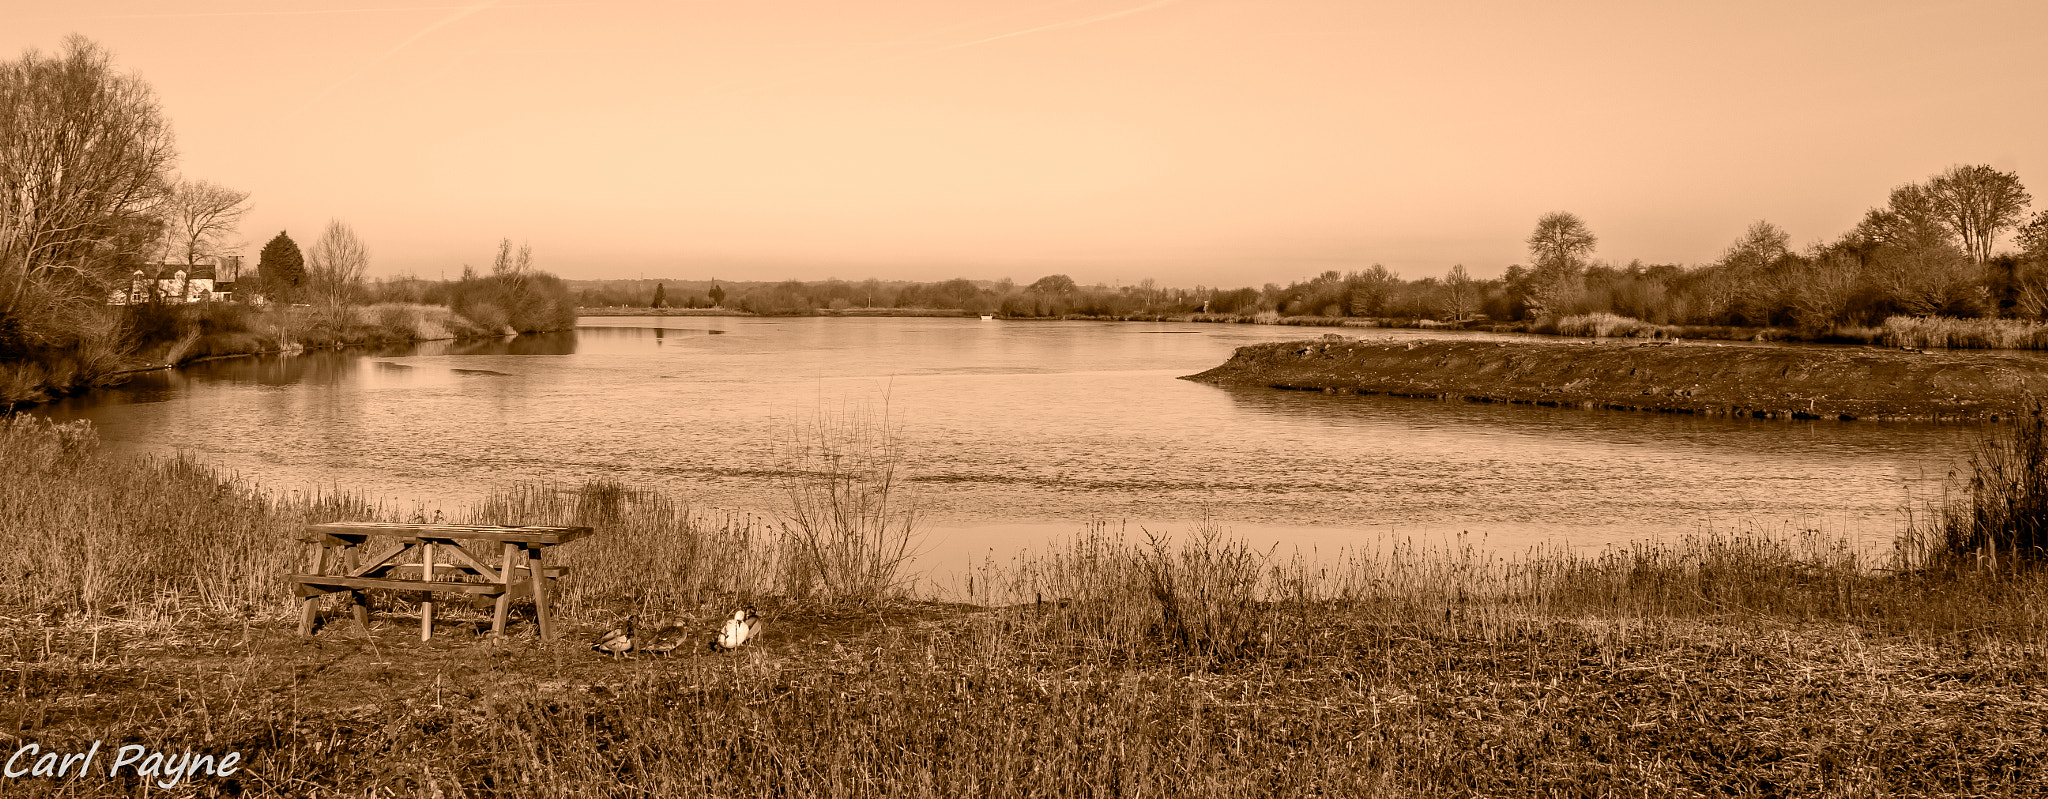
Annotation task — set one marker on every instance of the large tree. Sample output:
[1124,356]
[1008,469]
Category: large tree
[84,151]
[281,269]
[1910,220]
[1750,284]
[1558,248]
[1561,241]
[1978,202]
[199,217]
[1760,247]
[336,264]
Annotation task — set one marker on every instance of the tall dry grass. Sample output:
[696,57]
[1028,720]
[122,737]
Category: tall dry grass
[87,530]
[849,526]
[84,529]
[1952,333]
[1995,523]
[651,553]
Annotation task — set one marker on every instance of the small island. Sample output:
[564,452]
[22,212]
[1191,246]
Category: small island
[1778,382]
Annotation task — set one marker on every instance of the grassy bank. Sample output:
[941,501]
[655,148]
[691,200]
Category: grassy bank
[1710,379]
[147,608]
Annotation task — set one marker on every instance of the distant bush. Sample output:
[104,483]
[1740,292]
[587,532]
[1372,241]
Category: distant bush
[782,299]
[515,302]
[1951,333]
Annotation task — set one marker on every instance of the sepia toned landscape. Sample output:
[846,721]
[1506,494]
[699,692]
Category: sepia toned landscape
[1067,398]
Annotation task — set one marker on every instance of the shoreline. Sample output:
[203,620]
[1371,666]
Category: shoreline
[1809,383]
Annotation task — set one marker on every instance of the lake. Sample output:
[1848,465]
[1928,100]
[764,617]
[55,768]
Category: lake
[1017,432]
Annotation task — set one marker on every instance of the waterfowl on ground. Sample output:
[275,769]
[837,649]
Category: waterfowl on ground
[745,625]
[616,641]
[666,639]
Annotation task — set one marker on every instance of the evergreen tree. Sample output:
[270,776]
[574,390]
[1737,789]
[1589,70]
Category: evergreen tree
[717,296]
[660,297]
[281,269]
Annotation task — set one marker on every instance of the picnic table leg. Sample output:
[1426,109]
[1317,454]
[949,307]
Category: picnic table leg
[309,608]
[504,604]
[358,601]
[540,593]
[427,604]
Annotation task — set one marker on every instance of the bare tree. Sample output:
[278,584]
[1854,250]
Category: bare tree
[336,263]
[1562,241]
[1930,280]
[1978,202]
[1910,220]
[1760,246]
[2033,237]
[83,155]
[199,216]
[1824,289]
[1460,297]
[1559,247]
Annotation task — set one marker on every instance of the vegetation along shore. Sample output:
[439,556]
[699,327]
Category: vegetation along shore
[1715,379]
[147,605]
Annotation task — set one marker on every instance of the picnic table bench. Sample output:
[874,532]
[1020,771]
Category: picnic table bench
[335,564]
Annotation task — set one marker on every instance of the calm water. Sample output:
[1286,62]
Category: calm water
[1017,431]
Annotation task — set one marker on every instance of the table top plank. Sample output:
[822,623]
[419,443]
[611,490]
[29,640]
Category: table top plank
[522,534]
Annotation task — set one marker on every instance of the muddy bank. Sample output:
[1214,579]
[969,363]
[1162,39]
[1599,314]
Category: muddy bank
[1770,382]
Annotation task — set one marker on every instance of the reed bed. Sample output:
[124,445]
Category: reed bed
[1950,333]
[1607,325]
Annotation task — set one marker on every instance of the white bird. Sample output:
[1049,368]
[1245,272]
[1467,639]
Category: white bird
[745,625]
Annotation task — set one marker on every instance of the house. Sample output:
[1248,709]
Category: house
[176,283]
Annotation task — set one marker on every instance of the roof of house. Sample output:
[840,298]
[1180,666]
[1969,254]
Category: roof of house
[170,271]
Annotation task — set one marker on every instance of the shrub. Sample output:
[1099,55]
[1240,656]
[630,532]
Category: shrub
[847,528]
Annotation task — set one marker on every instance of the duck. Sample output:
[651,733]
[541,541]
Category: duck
[666,639]
[745,625]
[616,641]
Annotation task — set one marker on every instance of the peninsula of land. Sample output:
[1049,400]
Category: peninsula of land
[1779,382]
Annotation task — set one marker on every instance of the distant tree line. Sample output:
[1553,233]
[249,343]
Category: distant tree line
[1932,249]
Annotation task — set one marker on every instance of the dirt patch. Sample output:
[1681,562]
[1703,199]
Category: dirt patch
[1768,382]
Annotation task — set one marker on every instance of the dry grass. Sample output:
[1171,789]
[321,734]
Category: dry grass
[1996,526]
[1607,325]
[1950,333]
[848,528]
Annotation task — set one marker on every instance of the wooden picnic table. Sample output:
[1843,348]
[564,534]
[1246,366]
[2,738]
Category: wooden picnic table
[337,551]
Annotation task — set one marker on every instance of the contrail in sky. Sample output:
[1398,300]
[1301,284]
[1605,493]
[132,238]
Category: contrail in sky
[462,12]
[1072,23]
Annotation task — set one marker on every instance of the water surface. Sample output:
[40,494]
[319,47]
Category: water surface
[1016,431]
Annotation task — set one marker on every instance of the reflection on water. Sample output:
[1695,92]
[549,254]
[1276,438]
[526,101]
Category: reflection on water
[1013,426]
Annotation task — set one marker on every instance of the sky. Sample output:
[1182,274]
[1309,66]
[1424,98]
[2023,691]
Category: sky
[1214,142]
